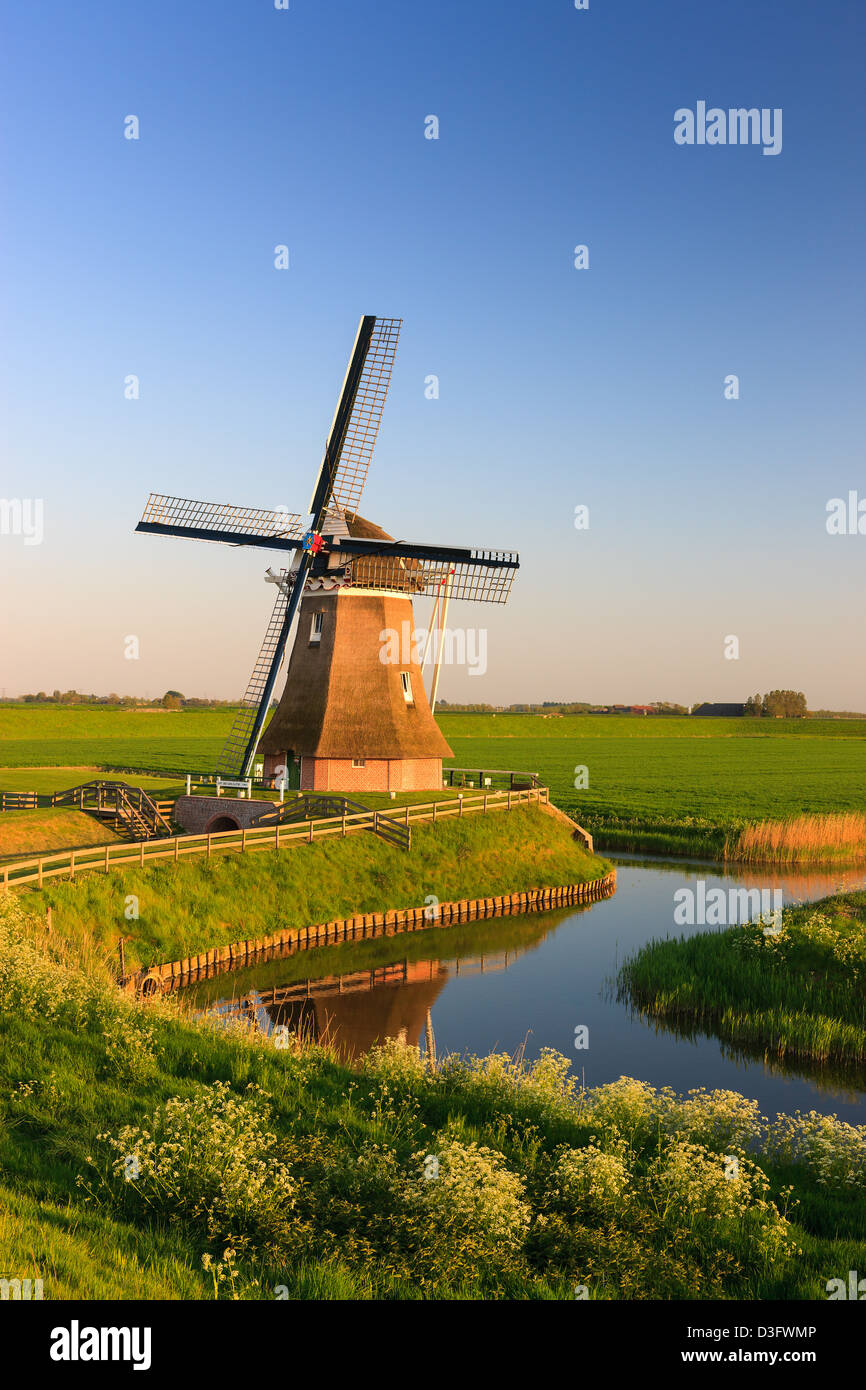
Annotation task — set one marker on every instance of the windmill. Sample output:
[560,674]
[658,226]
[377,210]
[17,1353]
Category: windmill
[349,718]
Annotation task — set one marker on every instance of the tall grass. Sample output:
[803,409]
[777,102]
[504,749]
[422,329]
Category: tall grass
[838,836]
[793,996]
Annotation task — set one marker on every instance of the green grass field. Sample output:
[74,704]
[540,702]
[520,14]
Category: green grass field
[675,783]
[666,784]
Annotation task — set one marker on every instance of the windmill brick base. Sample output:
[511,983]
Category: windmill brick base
[378,775]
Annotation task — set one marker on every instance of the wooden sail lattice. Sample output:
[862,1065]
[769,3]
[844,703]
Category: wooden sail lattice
[487,578]
[231,758]
[356,452]
[221,521]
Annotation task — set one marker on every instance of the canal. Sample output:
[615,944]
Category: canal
[539,980]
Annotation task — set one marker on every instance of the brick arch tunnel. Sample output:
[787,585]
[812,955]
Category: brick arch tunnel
[221,822]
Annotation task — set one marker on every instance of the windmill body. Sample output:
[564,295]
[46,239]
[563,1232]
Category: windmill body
[352,717]
[349,720]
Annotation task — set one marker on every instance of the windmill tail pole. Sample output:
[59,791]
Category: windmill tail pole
[431,625]
[276,660]
[441,643]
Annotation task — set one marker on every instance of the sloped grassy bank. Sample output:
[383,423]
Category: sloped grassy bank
[797,995]
[54,828]
[143,1155]
[203,903]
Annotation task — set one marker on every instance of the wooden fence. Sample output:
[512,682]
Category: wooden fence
[18,801]
[103,858]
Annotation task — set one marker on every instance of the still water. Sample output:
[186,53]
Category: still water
[528,982]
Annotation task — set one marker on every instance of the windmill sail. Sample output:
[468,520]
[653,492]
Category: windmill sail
[233,758]
[482,576]
[349,450]
[220,521]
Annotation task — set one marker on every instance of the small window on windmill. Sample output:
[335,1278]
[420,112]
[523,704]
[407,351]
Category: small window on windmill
[407,687]
[359,762]
[316,627]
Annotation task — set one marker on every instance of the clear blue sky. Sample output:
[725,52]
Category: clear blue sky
[558,387]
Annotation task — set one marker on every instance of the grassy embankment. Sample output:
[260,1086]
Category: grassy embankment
[54,828]
[203,903]
[319,1178]
[669,785]
[796,996]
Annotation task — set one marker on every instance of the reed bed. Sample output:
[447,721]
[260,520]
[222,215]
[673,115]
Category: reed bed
[840,836]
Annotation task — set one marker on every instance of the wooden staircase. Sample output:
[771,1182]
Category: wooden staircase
[127,808]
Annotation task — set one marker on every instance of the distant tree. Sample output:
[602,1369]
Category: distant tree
[172,699]
[785,704]
[753,706]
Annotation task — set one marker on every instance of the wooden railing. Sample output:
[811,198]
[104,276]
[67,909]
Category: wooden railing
[495,778]
[103,858]
[18,801]
[326,806]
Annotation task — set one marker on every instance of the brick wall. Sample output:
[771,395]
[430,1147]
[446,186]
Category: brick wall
[379,775]
[197,813]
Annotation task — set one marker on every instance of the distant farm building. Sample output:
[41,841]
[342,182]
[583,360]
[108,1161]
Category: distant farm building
[721,711]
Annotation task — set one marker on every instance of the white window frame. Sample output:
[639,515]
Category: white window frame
[359,762]
[406,681]
[316,625]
